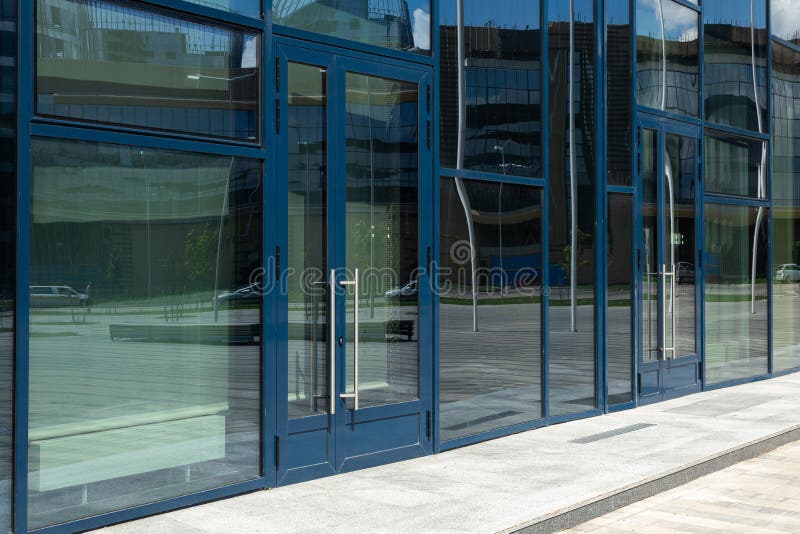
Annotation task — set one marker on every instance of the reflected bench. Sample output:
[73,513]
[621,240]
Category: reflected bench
[211,334]
[79,453]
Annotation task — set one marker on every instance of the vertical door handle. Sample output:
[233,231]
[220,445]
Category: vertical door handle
[353,395]
[332,342]
[664,275]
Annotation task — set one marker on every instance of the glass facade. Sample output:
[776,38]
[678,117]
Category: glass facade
[490,308]
[786,206]
[8,277]
[620,293]
[619,89]
[396,24]
[113,62]
[145,326]
[736,166]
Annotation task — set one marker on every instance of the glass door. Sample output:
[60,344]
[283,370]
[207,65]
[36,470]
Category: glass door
[667,305]
[354,343]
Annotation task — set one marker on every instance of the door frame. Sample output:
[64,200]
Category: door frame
[338,62]
[664,126]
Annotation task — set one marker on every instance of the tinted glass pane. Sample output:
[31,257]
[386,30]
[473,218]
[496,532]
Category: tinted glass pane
[490,306]
[8,210]
[651,242]
[308,244]
[572,209]
[145,326]
[502,78]
[382,199]
[620,57]
[736,306]
[736,63]
[784,20]
[786,202]
[398,24]
[620,298]
[736,166]
[112,62]
[250,8]
[665,29]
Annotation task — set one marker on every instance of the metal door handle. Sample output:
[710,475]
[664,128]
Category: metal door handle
[332,343]
[664,274]
[353,395]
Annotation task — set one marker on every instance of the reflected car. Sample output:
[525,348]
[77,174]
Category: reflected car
[244,296]
[685,272]
[56,297]
[788,272]
[406,292]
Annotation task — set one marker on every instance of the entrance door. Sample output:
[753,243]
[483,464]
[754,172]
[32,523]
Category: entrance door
[355,333]
[668,300]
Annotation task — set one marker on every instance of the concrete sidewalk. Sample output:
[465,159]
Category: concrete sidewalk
[536,481]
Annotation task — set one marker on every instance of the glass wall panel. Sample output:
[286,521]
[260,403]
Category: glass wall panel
[397,24]
[619,89]
[490,311]
[736,295]
[249,8]
[573,210]
[8,257]
[111,62]
[308,244]
[786,207]
[145,326]
[667,57]
[784,21]
[503,86]
[619,316]
[736,63]
[736,166]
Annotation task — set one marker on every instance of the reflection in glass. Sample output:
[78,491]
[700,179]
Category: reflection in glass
[573,210]
[620,298]
[490,347]
[736,296]
[618,114]
[651,241]
[249,8]
[502,87]
[786,211]
[667,57]
[783,20]
[396,24]
[736,166]
[8,278]
[308,249]
[145,326]
[382,162]
[110,62]
[736,63]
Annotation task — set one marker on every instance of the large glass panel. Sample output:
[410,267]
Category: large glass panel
[397,24]
[619,315]
[618,89]
[571,119]
[382,212]
[736,296]
[112,62]
[784,20]
[490,311]
[503,83]
[736,63]
[8,257]
[145,326]
[786,211]
[650,246]
[736,166]
[667,57]
[679,208]
[249,8]
[308,243]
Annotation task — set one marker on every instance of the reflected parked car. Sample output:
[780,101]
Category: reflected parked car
[244,296]
[788,272]
[406,292]
[56,297]
[685,272]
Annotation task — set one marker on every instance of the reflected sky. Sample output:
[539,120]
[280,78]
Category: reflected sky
[519,14]
[680,22]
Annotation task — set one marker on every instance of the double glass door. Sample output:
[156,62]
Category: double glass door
[668,277]
[354,335]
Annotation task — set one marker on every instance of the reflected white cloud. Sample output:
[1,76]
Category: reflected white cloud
[785,18]
[422,29]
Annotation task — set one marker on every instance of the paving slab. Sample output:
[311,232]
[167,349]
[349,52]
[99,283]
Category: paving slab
[534,481]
